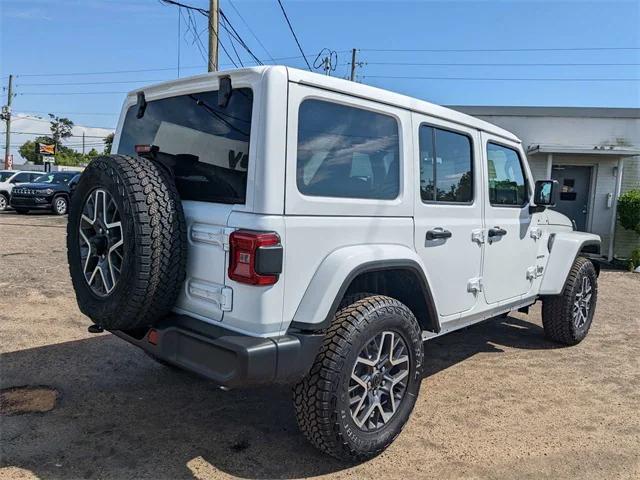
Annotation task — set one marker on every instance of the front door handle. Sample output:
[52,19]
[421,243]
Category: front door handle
[497,232]
[438,233]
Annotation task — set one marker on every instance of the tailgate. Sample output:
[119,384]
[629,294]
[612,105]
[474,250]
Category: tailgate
[204,294]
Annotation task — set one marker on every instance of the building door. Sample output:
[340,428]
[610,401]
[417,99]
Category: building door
[573,199]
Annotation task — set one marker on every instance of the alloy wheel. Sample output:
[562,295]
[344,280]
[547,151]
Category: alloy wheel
[378,381]
[61,206]
[101,242]
[582,303]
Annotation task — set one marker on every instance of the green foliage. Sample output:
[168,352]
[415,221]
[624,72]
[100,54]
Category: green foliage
[60,128]
[629,210]
[108,143]
[28,149]
[64,155]
[634,262]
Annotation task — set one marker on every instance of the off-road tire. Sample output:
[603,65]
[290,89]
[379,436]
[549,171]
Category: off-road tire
[4,202]
[557,319]
[155,239]
[320,399]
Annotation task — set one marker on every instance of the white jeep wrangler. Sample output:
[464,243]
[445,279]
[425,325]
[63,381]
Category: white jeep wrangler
[272,225]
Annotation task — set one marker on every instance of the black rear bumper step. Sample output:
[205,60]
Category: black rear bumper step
[228,358]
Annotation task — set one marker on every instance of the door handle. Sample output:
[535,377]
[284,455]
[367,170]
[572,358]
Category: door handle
[437,234]
[497,232]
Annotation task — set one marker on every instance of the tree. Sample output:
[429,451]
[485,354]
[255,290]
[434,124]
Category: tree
[60,129]
[108,143]
[629,210]
[28,149]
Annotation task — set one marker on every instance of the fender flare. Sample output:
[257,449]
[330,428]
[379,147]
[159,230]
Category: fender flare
[336,272]
[564,248]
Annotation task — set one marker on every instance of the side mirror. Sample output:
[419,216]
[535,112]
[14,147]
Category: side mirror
[545,193]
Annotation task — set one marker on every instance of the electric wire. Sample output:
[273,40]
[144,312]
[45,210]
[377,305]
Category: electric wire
[294,34]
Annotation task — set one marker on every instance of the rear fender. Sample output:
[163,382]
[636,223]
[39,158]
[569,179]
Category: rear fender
[332,279]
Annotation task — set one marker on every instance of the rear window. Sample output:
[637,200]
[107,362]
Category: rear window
[347,152]
[205,145]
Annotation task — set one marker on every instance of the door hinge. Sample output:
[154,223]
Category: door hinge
[535,233]
[531,273]
[474,285]
[214,293]
[211,234]
[477,236]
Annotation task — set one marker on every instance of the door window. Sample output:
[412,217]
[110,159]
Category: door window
[21,178]
[347,152]
[507,186]
[446,173]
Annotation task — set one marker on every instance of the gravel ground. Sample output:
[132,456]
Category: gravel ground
[497,401]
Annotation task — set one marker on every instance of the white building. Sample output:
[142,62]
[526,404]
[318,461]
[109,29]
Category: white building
[594,153]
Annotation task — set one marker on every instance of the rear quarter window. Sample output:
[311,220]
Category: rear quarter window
[347,152]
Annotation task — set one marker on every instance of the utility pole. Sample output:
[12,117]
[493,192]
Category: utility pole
[213,35]
[83,143]
[6,113]
[353,64]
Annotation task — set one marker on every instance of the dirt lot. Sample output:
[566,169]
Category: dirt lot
[498,400]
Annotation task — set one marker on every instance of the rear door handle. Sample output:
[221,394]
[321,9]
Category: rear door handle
[497,232]
[438,233]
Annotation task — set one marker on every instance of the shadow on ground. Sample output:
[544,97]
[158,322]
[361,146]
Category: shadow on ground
[121,415]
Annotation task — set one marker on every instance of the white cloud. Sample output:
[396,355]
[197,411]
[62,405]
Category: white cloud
[27,127]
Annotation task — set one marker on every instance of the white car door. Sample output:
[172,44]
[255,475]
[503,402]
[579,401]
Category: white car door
[511,233]
[448,211]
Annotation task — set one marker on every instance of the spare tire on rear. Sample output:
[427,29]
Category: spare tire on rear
[126,242]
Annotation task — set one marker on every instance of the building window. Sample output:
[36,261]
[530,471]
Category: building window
[446,173]
[507,186]
[347,152]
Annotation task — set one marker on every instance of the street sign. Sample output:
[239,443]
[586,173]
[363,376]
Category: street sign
[44,149]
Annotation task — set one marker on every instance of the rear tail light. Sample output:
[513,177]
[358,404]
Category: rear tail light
[256,257]
[146,149]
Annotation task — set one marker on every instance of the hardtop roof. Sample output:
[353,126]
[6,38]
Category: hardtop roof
[347,87]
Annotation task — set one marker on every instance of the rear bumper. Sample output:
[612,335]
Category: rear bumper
[228,358]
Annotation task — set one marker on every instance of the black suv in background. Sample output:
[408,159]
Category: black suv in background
[51,191]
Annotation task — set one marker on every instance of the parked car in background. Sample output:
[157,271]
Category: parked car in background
[51,191]
[11,178]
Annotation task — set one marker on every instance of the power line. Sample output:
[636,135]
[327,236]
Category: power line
[72,93]
[294,34]
[570,49]
[66,74]
[410,64]
[44,134]
[91,83]
[226,24]
[43,120]
[162,69]
[508,79]
[74,113]
[251,31]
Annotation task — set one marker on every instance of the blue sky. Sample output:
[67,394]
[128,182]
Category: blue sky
[69,36]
